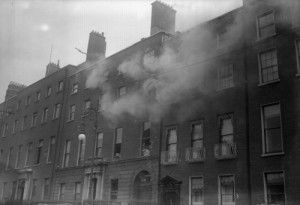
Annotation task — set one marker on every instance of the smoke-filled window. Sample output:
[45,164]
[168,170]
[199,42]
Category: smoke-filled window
[86,106]
[266,25]
[172,140]
[268,66]
[272,128]
[224,39]
[118,142]
[99,144]
[74,88]
[298,54]
[227,190]
[274,185]
[146,140]
[226,76]
[122,91]
[196,190]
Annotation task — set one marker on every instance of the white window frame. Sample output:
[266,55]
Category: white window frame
[297,56]
[265,184]
[16,122]
[263,128]
[48,91]
[37,96]
[28,154]
[190,188]
[115,142]
[260,67]
[17,165]
[219,187]
[258,27]
[81,151]
[34,119]
[60,86]
[85,109]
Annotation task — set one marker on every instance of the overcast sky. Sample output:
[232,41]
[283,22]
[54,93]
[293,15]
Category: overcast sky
[29,28]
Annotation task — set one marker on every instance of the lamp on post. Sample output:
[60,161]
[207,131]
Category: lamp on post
[82,137]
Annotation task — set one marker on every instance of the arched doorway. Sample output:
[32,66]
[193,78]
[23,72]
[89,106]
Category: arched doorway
[143,188]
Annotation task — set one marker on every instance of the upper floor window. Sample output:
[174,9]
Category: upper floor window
[77,196]
[226,128]
[86,106]
[268,66]
[67,153]
[100,103]
[274,188]
[9,156]
[51,149]
[4,129]
[45,115]
[48,91]
[146,139]
[226,76]
[72,112]
[24,122]
[15,126]
[34,119]
[266,25]
[99,144]
[295,13]
[60,86]
[197,134]
[46,189]
[37,96]
[19,155]
[81,149]
[28,100]
[224,39]
[56,111]
[18,104]
[74,88]
[227,190]
[172,140]
[122,91]
[196,190]
[39,151]
[272,138]
[118,142]
[298,55]
[34,188]
[28,154]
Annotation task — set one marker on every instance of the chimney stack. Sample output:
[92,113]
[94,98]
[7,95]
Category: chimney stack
[163,18]
[13,89]
[52,68]
[96,47]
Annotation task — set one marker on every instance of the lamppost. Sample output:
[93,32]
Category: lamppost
[82,136]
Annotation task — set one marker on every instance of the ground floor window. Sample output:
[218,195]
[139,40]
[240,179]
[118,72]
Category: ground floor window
[274,188]
[196,190]
[227,190]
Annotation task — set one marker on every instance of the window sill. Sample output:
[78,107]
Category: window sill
[73,93]
[36,165]
[70,120]
[298,74]
[48,162]
[265,38]
[266,83]
[54,119]
[59,91]
[43,123]
[272,154]
[221,89]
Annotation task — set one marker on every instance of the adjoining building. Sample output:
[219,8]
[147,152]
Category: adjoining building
[216,122]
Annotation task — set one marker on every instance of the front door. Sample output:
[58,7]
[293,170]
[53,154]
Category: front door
[171,198]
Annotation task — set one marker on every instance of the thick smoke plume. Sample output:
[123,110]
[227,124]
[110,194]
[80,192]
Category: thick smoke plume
[176,80]
[160,82]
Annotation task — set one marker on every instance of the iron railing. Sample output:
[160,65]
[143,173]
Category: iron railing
[195,154]
[225,150]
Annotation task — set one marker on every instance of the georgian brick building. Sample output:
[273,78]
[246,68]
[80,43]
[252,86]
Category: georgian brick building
[229,138]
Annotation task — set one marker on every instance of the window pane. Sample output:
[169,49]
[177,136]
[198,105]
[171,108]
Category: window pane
[172,136]
[196,191]
[275,188]
[197,131]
